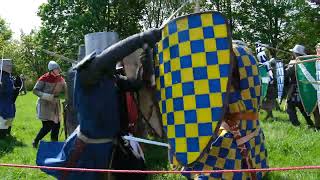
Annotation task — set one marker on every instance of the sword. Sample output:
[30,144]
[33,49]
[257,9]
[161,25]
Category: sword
[173,14]
[269,47]
[304,61]
[54,54]
[146,141]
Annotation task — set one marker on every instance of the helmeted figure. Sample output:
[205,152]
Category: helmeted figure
[48,88]
[95,98]
[269,83]
[7,97]
[209,98]
[293,98]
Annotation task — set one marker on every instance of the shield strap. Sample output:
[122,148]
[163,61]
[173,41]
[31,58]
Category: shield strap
[242,116]
[231,123]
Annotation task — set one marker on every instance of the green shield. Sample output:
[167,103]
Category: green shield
[306,80]
[265,79]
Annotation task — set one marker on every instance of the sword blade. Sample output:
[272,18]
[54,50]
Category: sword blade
[146,141]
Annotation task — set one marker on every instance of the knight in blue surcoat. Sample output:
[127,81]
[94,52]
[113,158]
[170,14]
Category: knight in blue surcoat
[95,98]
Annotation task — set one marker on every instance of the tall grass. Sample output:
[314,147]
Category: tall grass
[287,146]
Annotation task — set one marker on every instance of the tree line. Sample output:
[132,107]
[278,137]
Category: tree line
[279,23]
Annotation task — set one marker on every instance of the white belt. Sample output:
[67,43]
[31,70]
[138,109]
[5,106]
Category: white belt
[87,140]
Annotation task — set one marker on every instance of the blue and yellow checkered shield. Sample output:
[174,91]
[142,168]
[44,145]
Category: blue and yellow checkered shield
[192,72]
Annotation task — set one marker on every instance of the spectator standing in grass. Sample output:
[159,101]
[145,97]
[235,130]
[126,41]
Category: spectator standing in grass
[7,106]
[48,88]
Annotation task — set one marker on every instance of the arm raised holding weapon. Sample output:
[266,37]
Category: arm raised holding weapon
[96,93]
[93,67]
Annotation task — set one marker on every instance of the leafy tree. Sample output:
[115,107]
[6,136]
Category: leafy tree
[5,31]
[33,59]
[304,27]
[65,22]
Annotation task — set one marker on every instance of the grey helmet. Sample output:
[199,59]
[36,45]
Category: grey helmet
[53,65]
[6,65]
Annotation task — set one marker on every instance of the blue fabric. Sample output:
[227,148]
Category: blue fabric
[57,154]
[7,106]
[98,115]
[97,106]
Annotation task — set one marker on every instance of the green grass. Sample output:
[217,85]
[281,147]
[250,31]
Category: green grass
[287,146]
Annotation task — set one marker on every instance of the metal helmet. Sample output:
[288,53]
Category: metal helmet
[6,65]
[53,65]
[298,49]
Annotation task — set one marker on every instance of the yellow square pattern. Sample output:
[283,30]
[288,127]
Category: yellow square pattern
[224,56]
[176,90]
[179,117]
[184,88]
[181,145]
[213,72]
[220,31]
[175,64]
[201,87]
[167,79]
[186,75]
[192,130]
[217,99]
[204,115]
[206,20]
[173,39]
[196,34]
[182,24]
[189,102]
[210,45]
[199,60]
[169,104]
[184,48]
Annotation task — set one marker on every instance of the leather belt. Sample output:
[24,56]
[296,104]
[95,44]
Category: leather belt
[231,123]
[242,116]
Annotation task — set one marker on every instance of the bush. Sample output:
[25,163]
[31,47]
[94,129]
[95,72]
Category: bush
[29,83]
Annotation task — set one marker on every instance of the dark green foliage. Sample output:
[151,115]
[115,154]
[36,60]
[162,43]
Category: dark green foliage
[5,32]
[279,23]
[65,22]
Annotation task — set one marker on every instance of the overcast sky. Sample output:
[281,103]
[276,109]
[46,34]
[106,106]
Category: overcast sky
[21,14]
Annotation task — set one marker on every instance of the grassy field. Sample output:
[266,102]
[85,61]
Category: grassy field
[287,146]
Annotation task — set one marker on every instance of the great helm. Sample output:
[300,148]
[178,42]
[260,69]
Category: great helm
[299,49]
[6,65]
[53,65]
